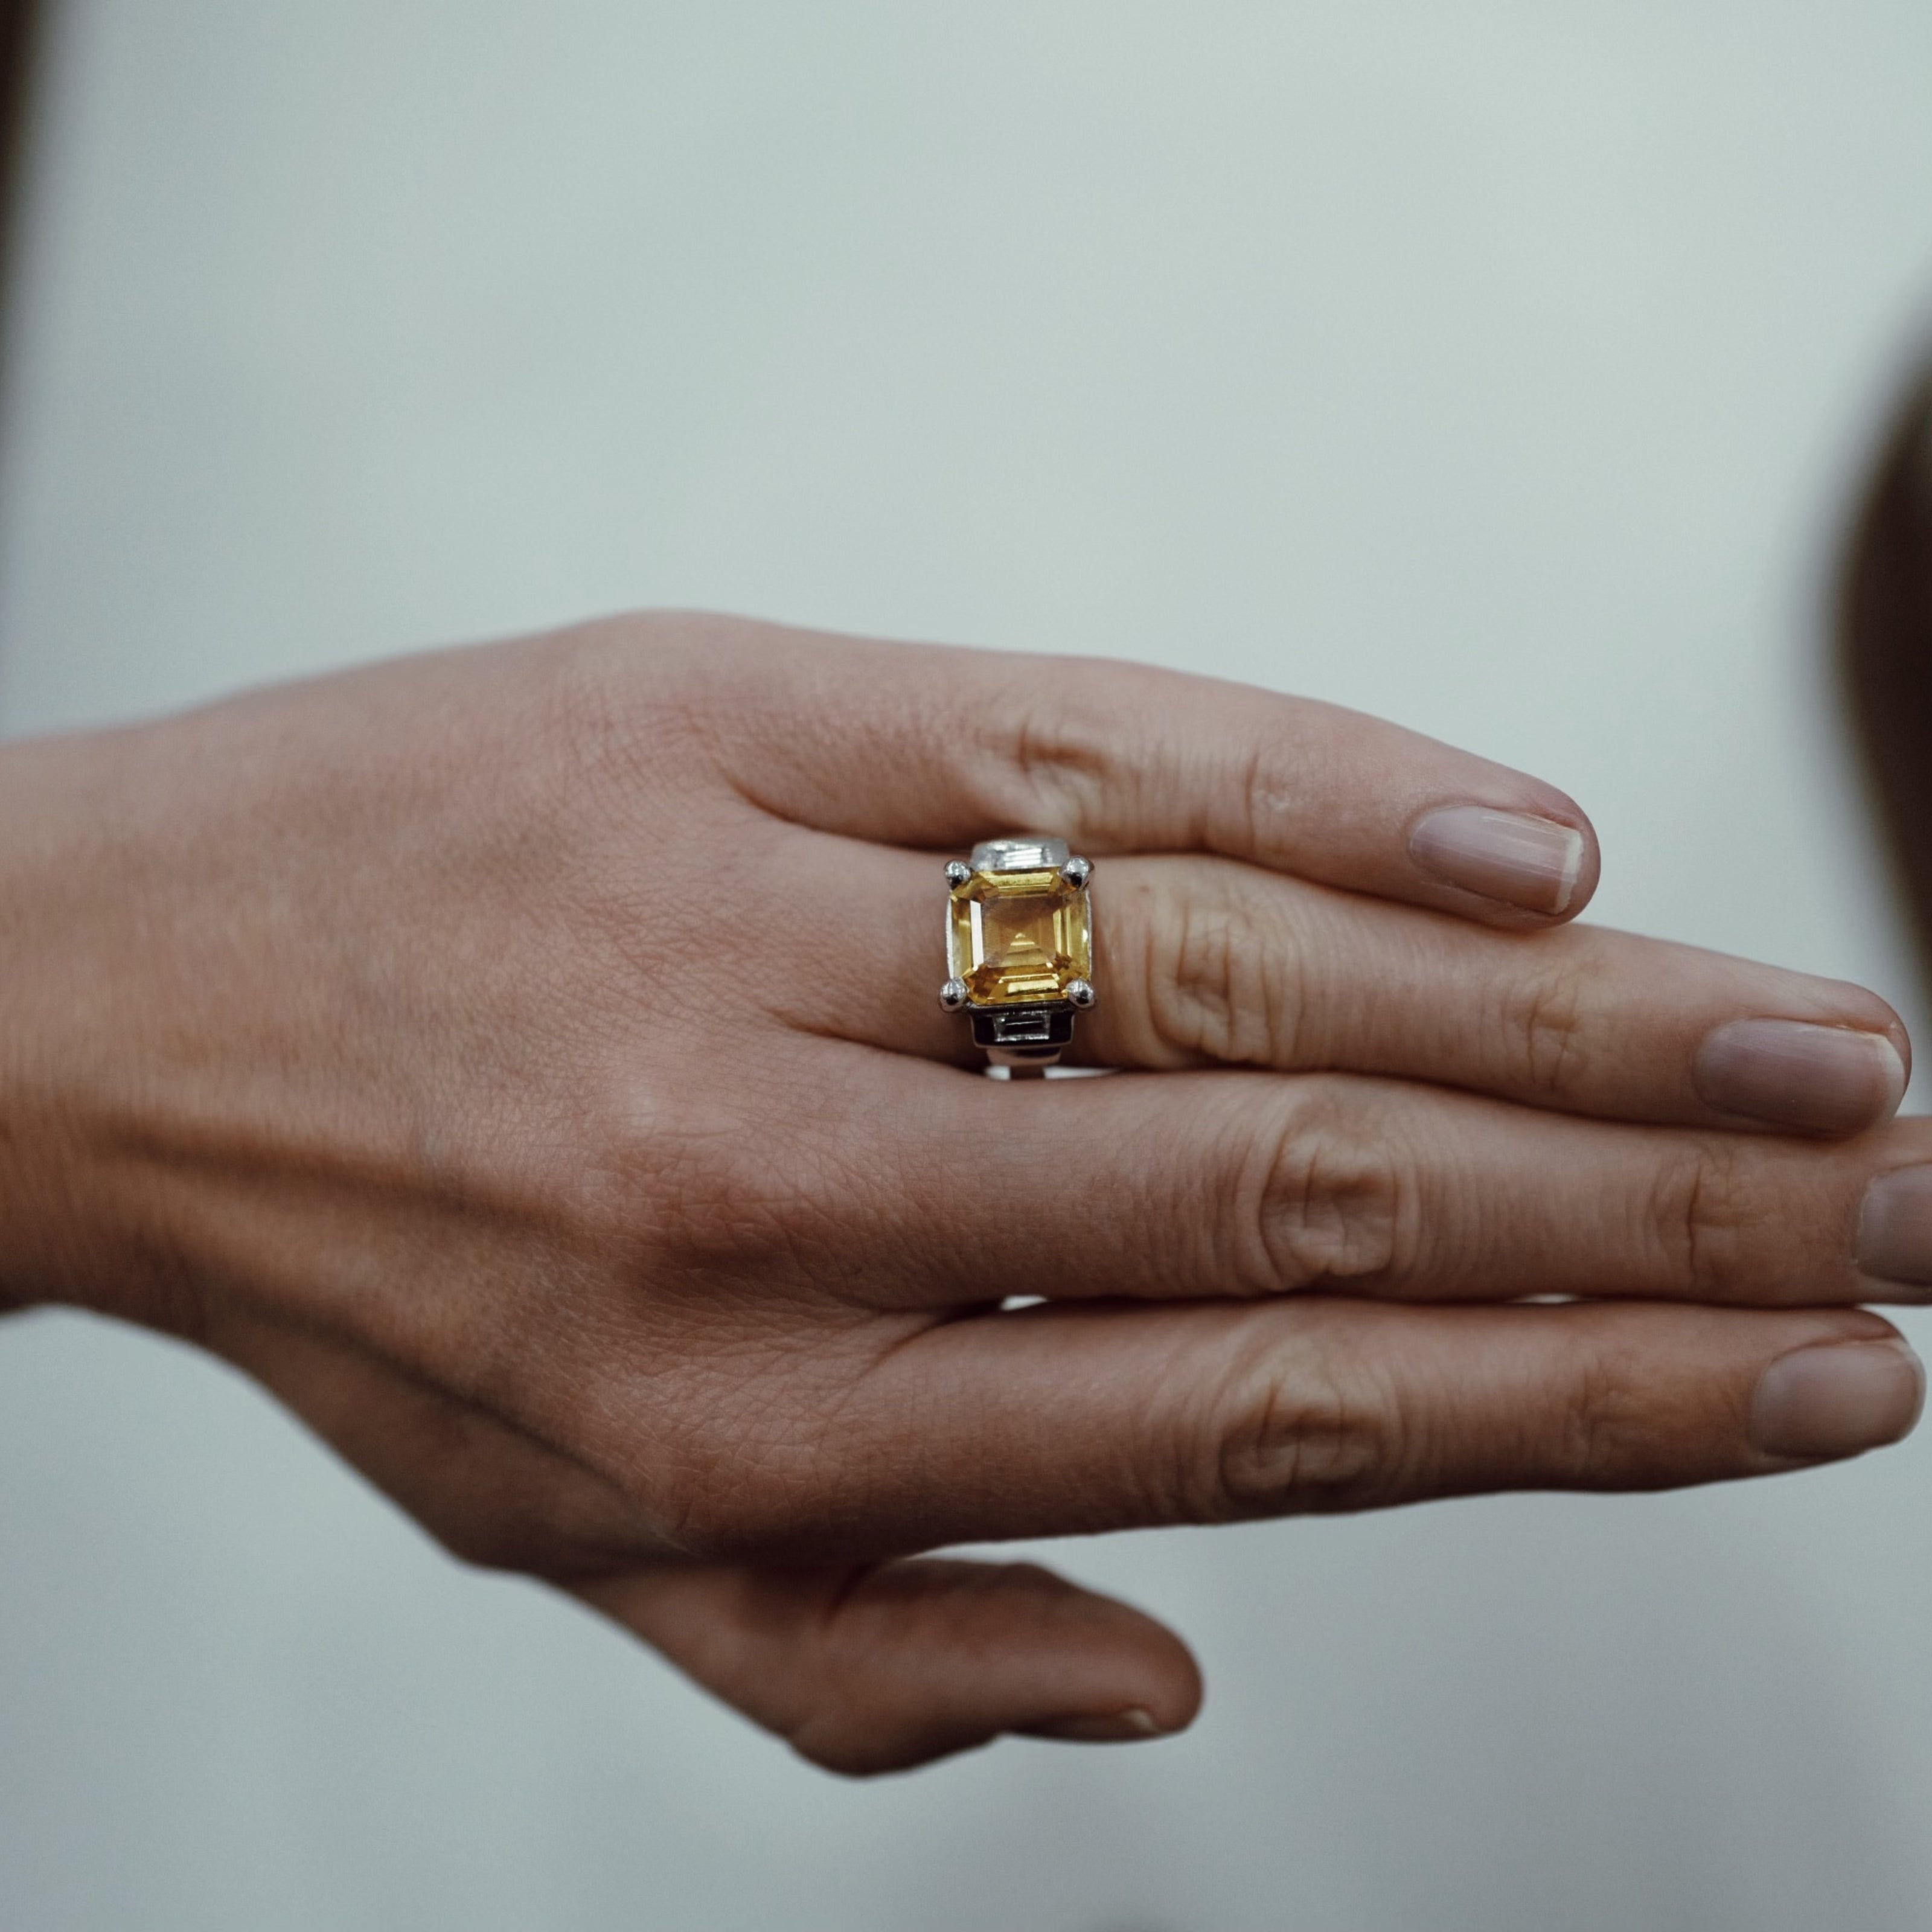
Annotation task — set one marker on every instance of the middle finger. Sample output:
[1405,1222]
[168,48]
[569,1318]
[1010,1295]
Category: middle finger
[1211,1184]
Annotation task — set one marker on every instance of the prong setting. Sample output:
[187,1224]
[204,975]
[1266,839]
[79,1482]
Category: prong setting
[1019,946]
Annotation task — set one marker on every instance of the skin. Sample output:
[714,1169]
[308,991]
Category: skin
[526,1062]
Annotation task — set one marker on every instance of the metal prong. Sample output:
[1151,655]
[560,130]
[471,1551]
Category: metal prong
[952,995]
[1077,871]
[958,871]
[1081,992]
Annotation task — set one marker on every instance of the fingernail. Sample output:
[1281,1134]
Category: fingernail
[1836,1398]
[1115,1727]
[1531,863]
[1789,1073]
[1895,1228]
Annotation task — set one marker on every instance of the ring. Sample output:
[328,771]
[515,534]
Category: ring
[1019,949]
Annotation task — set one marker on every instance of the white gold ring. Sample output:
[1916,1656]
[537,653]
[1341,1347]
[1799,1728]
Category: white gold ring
[1019,948]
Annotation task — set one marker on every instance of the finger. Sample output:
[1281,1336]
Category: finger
[1206,960]
[1052,1420]
[925,746]
[870,1669]
[1210,1185]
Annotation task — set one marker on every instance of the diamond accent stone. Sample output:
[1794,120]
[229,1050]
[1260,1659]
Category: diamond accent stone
[1019,855]
[1018,938]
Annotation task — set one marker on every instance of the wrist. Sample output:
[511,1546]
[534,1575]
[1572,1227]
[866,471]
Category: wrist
[66,1064]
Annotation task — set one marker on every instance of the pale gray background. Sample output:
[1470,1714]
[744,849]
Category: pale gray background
[1504,368]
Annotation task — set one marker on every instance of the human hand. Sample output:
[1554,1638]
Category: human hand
[525,1061]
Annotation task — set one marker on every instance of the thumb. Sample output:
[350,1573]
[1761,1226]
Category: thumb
[879,1668]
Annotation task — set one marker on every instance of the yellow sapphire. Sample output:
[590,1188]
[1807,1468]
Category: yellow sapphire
[1018,938]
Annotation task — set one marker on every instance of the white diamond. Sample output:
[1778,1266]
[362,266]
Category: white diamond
[1019,855]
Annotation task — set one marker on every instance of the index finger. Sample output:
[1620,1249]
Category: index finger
[939,747]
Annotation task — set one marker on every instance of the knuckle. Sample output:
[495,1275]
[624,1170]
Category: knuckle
[1212,988]
[1545,1030]
[1322,1202]
[1599,1415]
[1694,1222]
[692,1189]
[1293,1434]
[1062,762]
[637,1177]
[1079,752]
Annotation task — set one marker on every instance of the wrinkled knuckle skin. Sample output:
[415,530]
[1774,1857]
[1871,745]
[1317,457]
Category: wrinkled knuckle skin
[1601,1417]
[1695,1220]
[1292,1437]
[1215,987]
[1324,1202]
[1545,1029]
[1061,763]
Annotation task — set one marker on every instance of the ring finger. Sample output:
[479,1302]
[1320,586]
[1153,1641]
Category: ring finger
[1205,962]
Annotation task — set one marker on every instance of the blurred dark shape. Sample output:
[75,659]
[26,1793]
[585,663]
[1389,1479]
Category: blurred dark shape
[1885,647]
[19,37]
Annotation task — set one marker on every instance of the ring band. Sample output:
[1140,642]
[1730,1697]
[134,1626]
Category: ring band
[1019,948]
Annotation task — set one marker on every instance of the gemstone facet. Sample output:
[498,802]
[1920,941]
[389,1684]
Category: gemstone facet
[1018,938]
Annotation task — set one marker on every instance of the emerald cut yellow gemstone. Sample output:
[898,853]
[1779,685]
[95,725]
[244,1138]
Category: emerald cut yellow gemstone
[1019,939]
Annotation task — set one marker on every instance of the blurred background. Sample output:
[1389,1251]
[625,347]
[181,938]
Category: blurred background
[1510,370]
